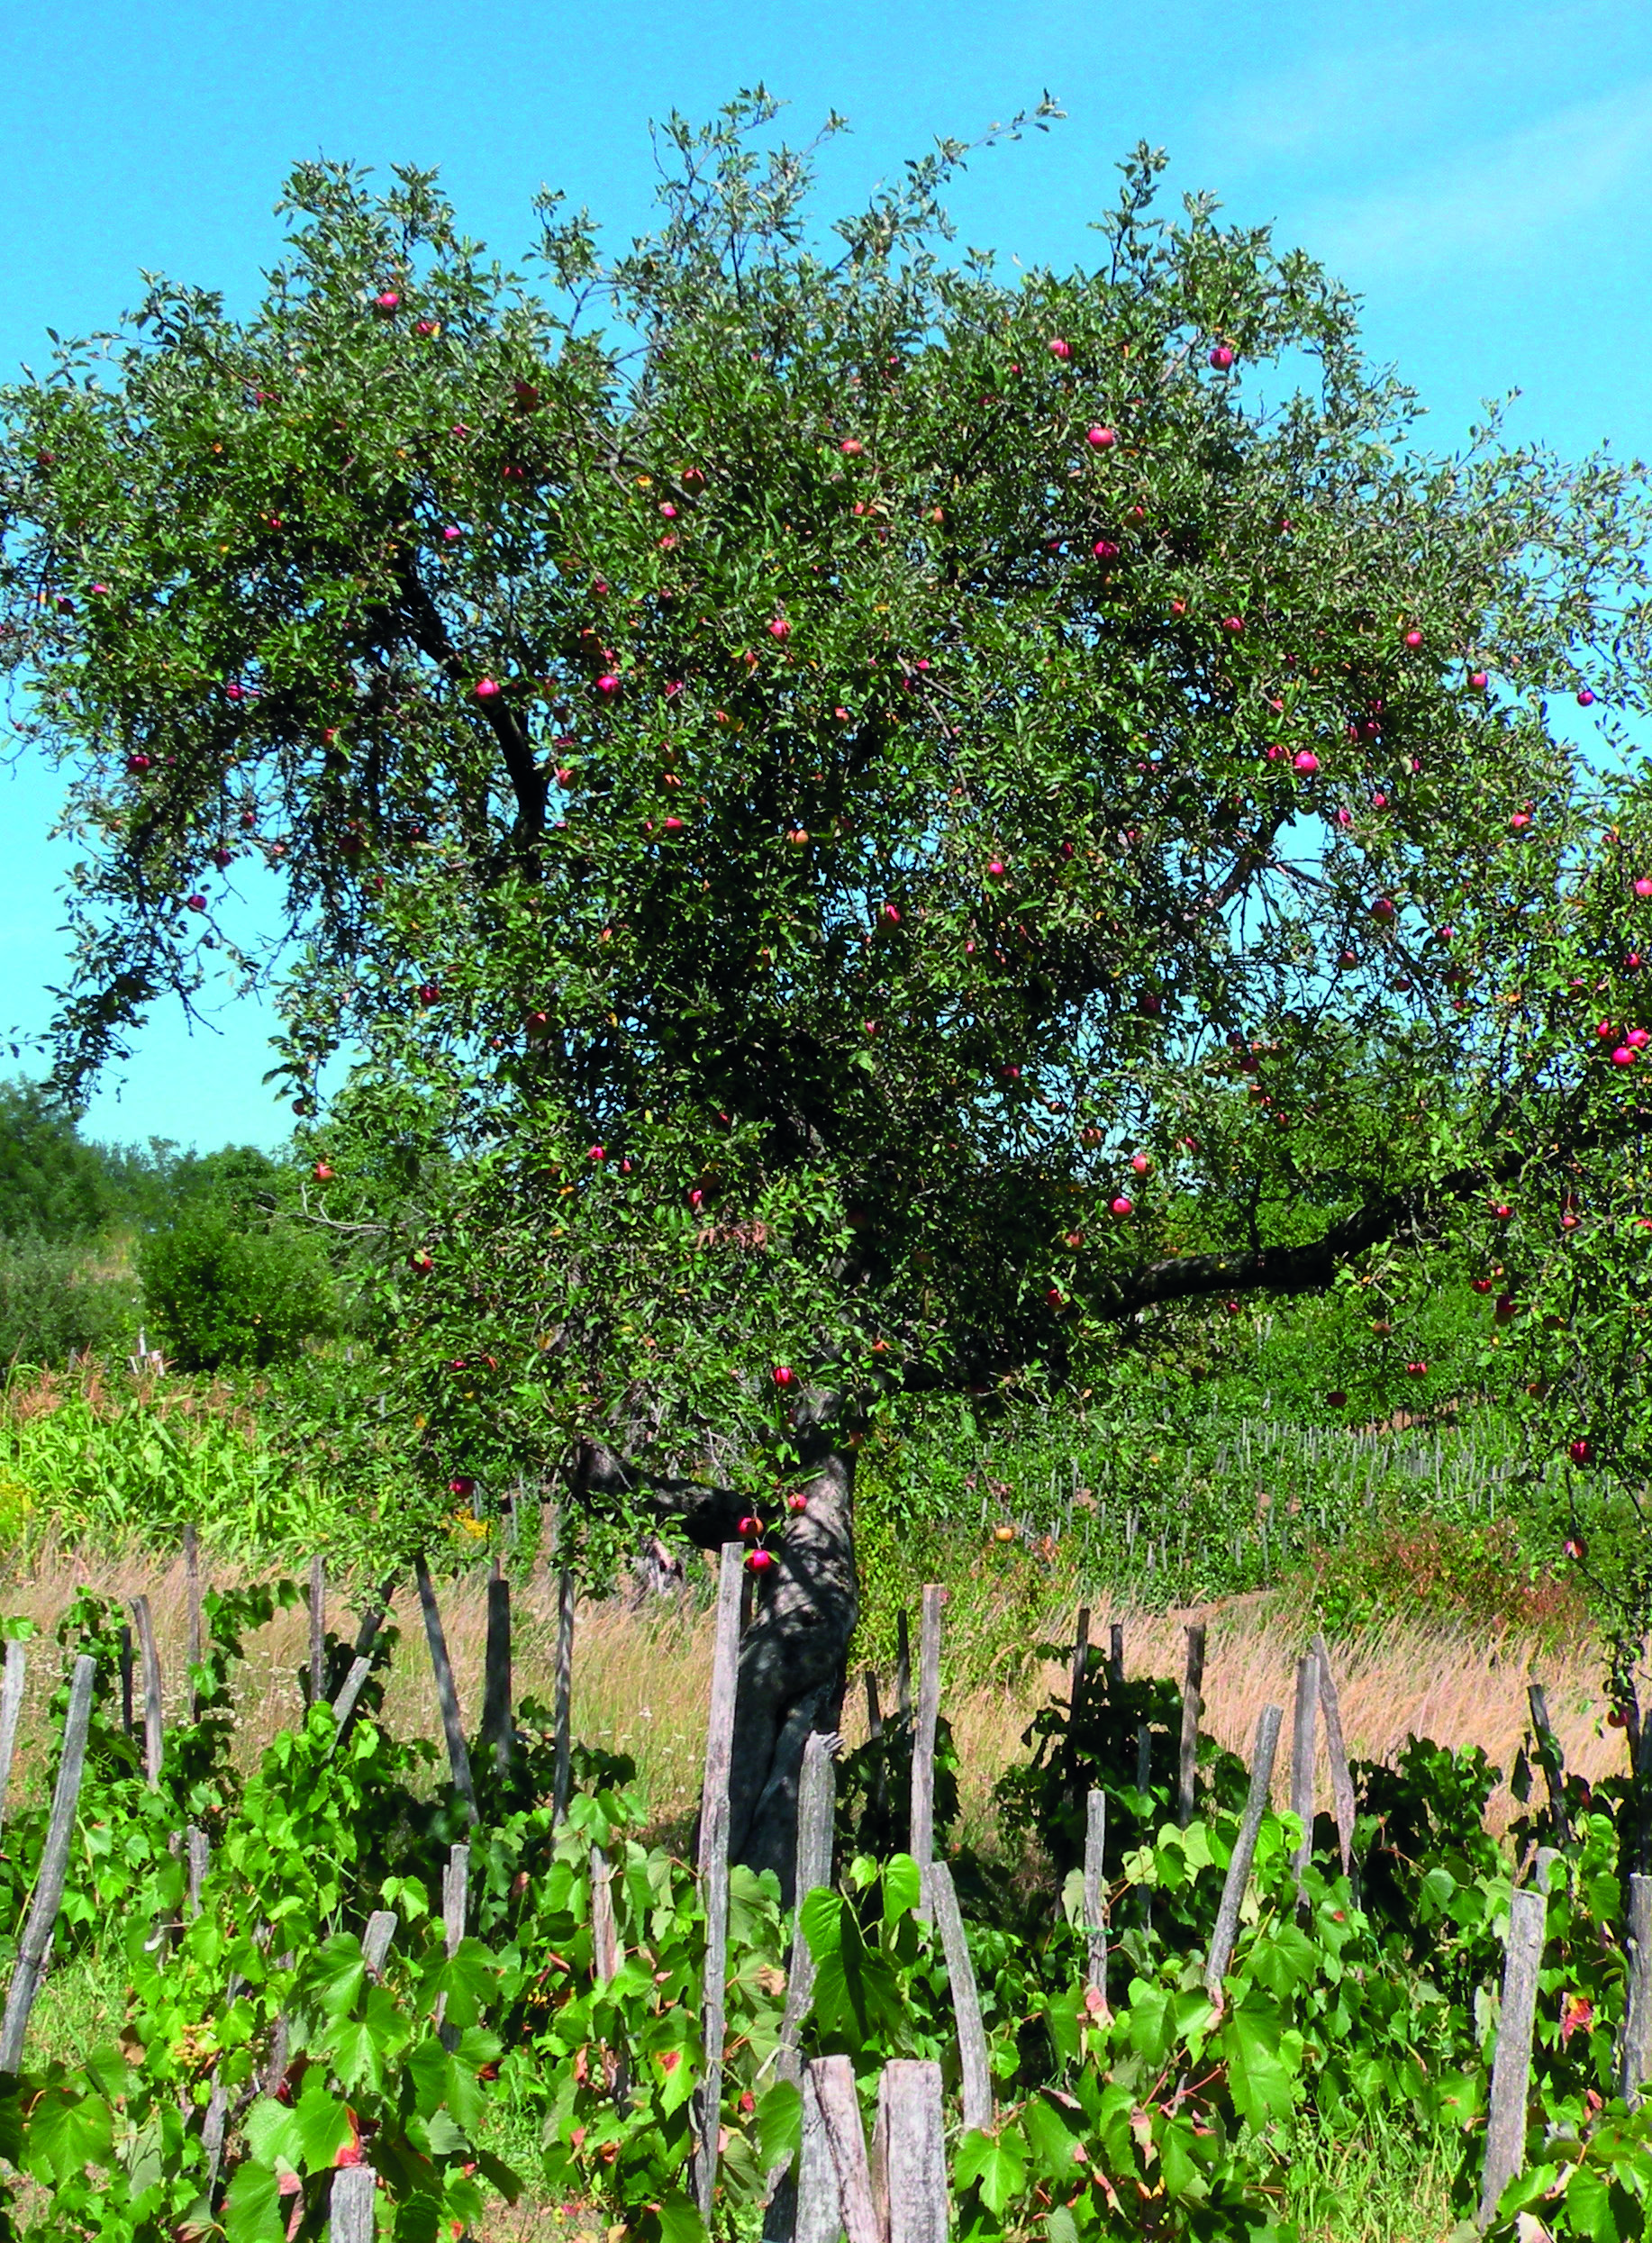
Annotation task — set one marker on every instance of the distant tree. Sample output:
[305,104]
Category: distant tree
[845,802]
[52,1185]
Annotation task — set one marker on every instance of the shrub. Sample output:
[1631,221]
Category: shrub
[51,1303]
[219,1296]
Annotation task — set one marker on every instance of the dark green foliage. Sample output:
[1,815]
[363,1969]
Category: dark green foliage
[51,1303]
[52,1185]
[221,1296]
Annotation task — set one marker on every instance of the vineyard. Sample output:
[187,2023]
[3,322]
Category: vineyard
[381,1986]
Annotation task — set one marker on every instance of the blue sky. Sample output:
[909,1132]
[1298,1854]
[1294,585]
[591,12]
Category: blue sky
[1476,173]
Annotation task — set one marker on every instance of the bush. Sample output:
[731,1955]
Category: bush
[50,1303]
[218,1296]
[51,1184]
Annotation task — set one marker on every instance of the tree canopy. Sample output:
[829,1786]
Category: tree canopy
[884,821]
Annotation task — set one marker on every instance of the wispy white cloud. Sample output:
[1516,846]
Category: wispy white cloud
[1504,200]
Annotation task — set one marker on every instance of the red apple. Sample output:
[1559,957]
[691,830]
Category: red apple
[751,1527]
[797,1500]
[1233,624]
[429,992]
[322,1173]
[995,870]
[1305,761]
[1585,699]
[138,764]
[420,1262]
[196,902]
[1103,439]
[1141,1163]
[1381,910]
[1478,679]
[1336,1400]
[1580,1451]
[851,448]
[386,301]
[1055,1298]
[696,1197]
[760,1561]
[597,1152]
[487,689]
[1413,639]
[1504,1311]
[1480,1284]
[1121,1206]
[890,916]
[784,1375]
[1417,1370]
[1059,348]
[1222,358]
[1623,1057]
[608,685]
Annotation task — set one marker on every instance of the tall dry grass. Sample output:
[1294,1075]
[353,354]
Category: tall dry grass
[641,1677]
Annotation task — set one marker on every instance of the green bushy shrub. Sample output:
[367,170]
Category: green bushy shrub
[50,1303]
[219,1297]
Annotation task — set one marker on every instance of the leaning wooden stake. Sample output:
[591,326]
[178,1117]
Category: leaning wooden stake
[446,1694]
[126,1675]
[1554,1767]
[1635,2043]
[1187,1771]
[11,1712]
[923,1739]
[816,1798]
[318,1628]
[1226,1934]
[199,1850]
[455,1902]
[977,2078]
[1081,1660]
[376,1941]
[350,2205]
[42,1916]
[713,1866]
[902,1668]
[1304,1729]
[1505,2122]
[153,1732]
[1096,1895]
[193,1647]
[1115,1654]
[1336,1753]
[831,2082]
[908,2154]
[566,1605]
[498,1730]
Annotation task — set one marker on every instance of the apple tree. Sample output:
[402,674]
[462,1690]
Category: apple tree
[883,816]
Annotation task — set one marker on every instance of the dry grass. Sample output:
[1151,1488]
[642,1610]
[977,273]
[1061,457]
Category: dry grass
[641,1677]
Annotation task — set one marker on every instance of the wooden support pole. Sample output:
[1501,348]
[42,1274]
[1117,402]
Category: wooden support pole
[446,1694]
[902,1668]
[1554,1766]
[498,1728]
[977,2078]
[344,1704]
[1634,2042]
[376,1941]
[1505,2121]
[909,2158]
[1192,1704]
[199,1848]
[318,1629]
[816,2214]
[154,1735]
[1336,1753]
[1081,1660]
[1304,1727]
[713,1867]
[127,1725]
[31,1949]
[193,1645]
[831,2079]
[11,1712]
[1095,1893]
[816,1799]
[1115,1654]
[566,1602]
[1225,1936]
[350,2204]
[874,1716]
[923,1739]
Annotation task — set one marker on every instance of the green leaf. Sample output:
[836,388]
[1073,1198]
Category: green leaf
[778,2123]
[1252,2039]
[995,2163]
[903,1886]
[252,2209]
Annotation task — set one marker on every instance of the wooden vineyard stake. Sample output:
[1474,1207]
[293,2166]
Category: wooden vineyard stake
[153,1733]
[923,1740]
[1335,1752]
[831,2081]
[498,1730]
[714,1867]
[1081,1660]
[1505,2121]
[874,1715]
[816,1800]
[350,2204]
[447,1695]
[344,1704]
[199,1849]
[318,1629]
[1187,1769]
[376,1941]
[127,1727]
[1096,1895]
[1144,1758]
[1115,1654]
[814,2213]
[11,1712]
[1304,1727]
[1554,1767]
[193,1645]
[908,2154]
[565,1602]
[455,1902]
[902,1668]
[31,1949]
[1226,1933]
[1635,2044]
[941,1895]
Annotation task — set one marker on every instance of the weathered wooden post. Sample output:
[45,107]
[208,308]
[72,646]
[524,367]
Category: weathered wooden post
[318,1628]
[376,1941]
[31,1949]
[1635,2044]
[816,1792]
[908,2154]
[1505,2122]
[455,1905]
[199,1848]
[1187,1771]
[192,1600]
[1095,1894]
[498,1729]
[1081,1661]
[349,2205]
[446,1694]
[11,1712]
[1554,1767]
[923,1737]
[713,1867]
[829,2081]
[1115,1654]
[1336,1753]
[566,1603]
[903,1666]
[1303,1726]
[153,1731]
[942,1896]
[1226,1933]
[127,1724]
